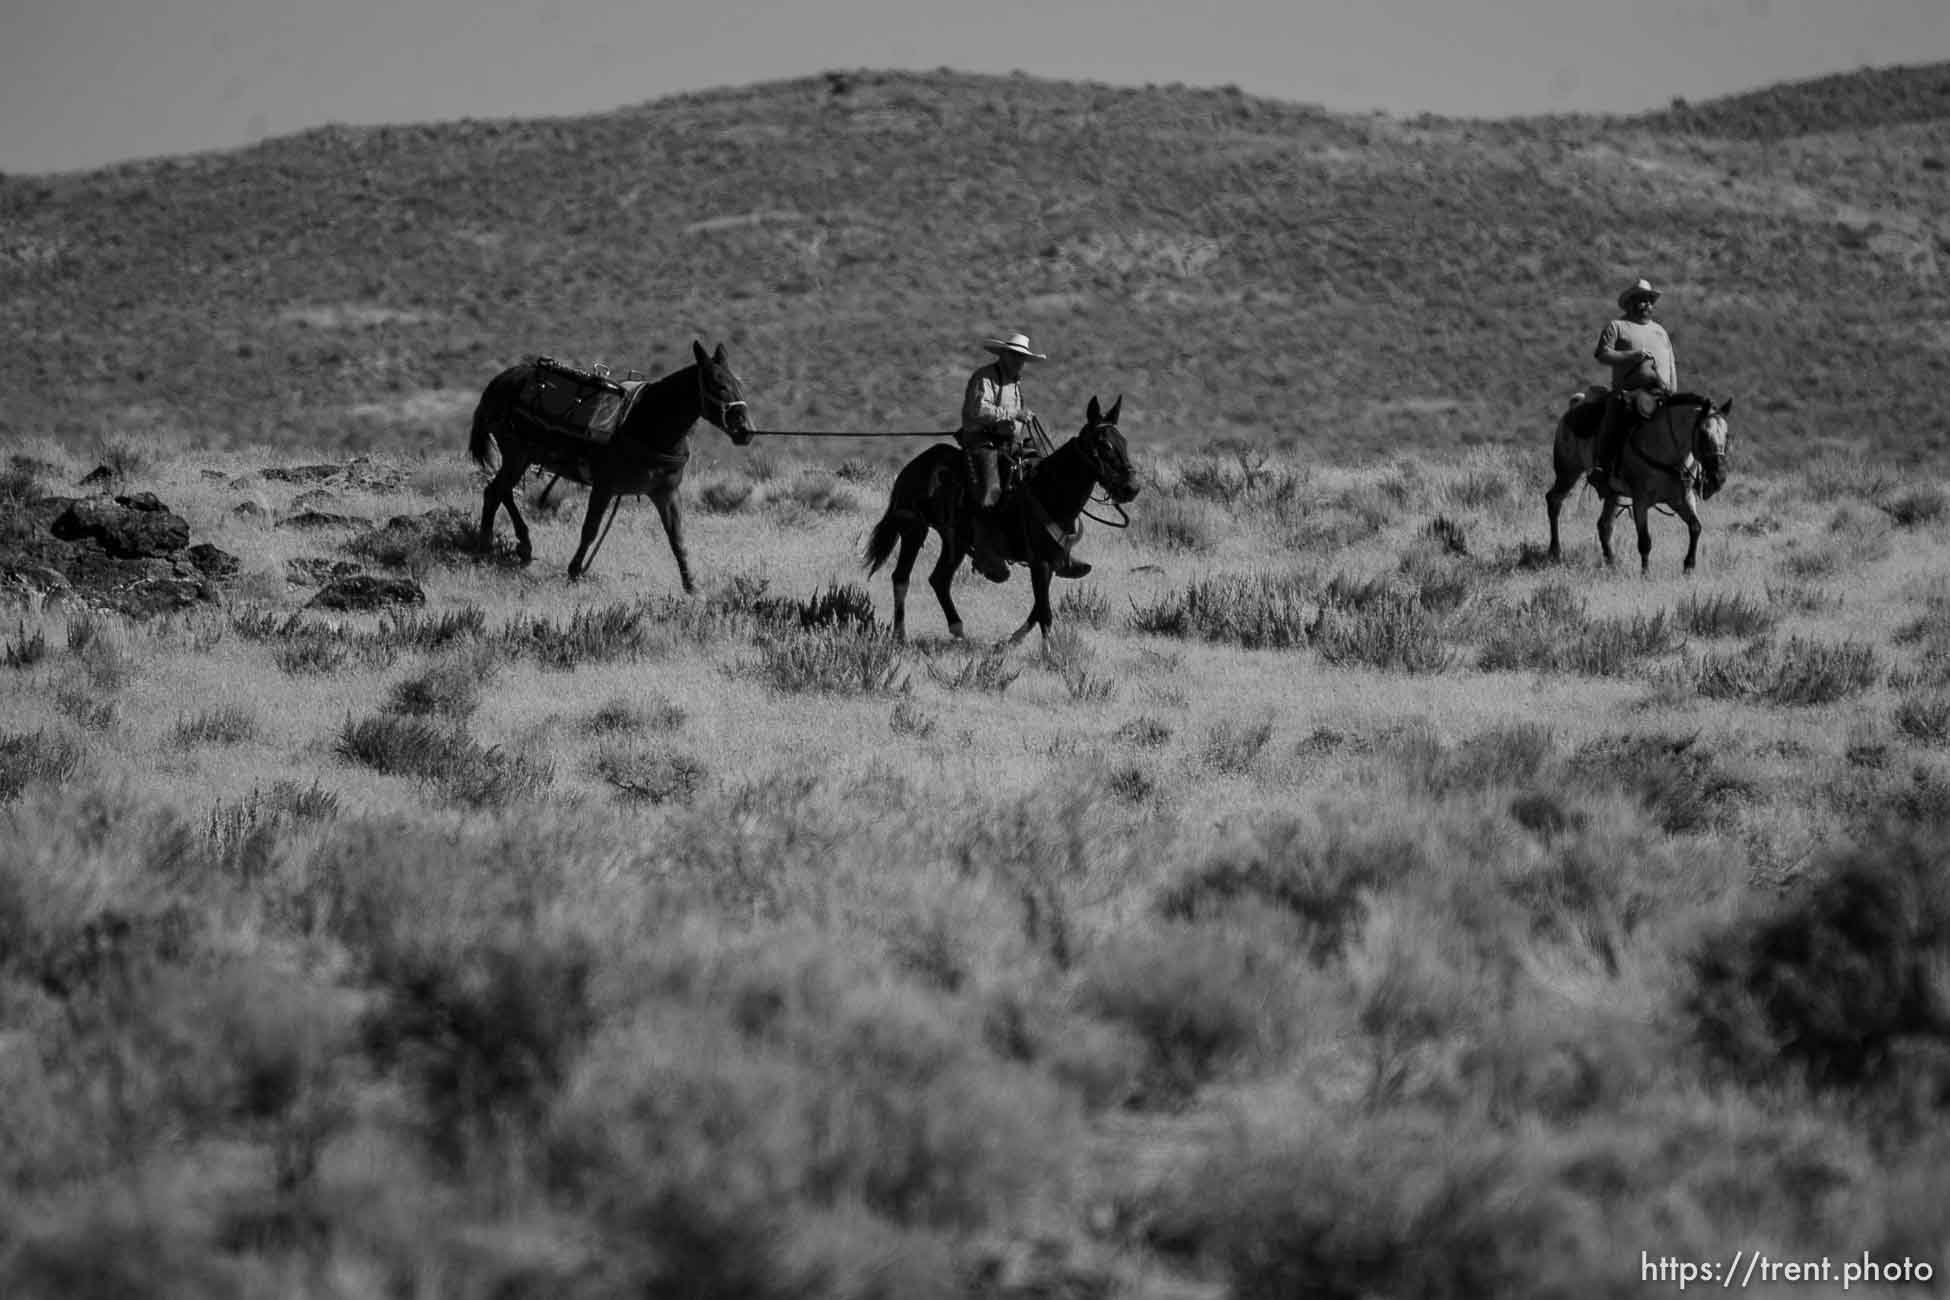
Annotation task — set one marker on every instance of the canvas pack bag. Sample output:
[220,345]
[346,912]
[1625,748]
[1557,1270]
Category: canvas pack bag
[573,413]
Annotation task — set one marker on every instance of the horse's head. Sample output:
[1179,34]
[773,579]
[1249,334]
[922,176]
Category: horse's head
[1102,444]
[1710,446]
[720,394]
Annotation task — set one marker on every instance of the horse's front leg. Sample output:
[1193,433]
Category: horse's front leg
[1642,520]
[673,516]
[1039,610]
[1688,511]
[1607,511]
[592,523]
[954,549]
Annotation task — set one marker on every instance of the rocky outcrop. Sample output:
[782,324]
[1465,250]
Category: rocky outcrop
[130,527]
[127,553]
[364,592]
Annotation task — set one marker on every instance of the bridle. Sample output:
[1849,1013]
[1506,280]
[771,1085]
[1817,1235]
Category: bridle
[706,400]
[1090,455]
[1710,453]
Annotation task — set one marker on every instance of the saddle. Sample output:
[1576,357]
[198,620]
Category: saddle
[1587,409]
[584,406]
[1645,402]
[569,415]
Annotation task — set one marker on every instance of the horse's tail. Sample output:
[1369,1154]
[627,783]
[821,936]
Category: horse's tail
[885,537]
[481,441]
[492,411]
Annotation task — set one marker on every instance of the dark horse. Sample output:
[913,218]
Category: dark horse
[932,491]
[1676,458]
[645,456]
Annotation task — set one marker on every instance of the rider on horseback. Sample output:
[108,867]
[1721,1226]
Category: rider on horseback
[1642,370]
[997,430]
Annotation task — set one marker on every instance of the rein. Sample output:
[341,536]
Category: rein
[841,433]
[1099,495]
[1122,521]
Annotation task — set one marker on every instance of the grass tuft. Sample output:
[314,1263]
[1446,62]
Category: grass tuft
[856,660]
[229,724]
[1393,633]
[648,775]
[1804,672]
[988,671]
[25,650]
[1256,612]
[1726,615]
[449,690]
[445,758]
[30,756]
[607,634]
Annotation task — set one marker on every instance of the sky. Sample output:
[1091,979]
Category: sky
[84,83]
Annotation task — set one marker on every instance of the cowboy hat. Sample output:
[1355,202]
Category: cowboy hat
[1016,343]
[1640,290]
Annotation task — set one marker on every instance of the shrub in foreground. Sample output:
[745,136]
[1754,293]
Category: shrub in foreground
[1845,980]
[1201,998]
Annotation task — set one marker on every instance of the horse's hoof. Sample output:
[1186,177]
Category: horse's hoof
[955,631]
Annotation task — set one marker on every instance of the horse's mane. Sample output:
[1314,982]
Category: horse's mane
[1689,399]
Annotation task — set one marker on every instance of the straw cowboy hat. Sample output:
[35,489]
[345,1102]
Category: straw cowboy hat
[1018,344]
[1640,290]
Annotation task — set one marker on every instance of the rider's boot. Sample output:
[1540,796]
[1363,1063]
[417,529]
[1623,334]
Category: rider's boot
[985,552]
[1070,566]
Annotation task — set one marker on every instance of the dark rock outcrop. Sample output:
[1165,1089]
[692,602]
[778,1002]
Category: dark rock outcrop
[322,519]
[130,527]
[212,561]
[363,592]
[316,570]
[128,553]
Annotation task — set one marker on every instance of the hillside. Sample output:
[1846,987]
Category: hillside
[1857,101]
[1240,269]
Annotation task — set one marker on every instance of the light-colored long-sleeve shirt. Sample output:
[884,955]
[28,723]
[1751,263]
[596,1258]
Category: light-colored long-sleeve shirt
[990,402]
[1645,336]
